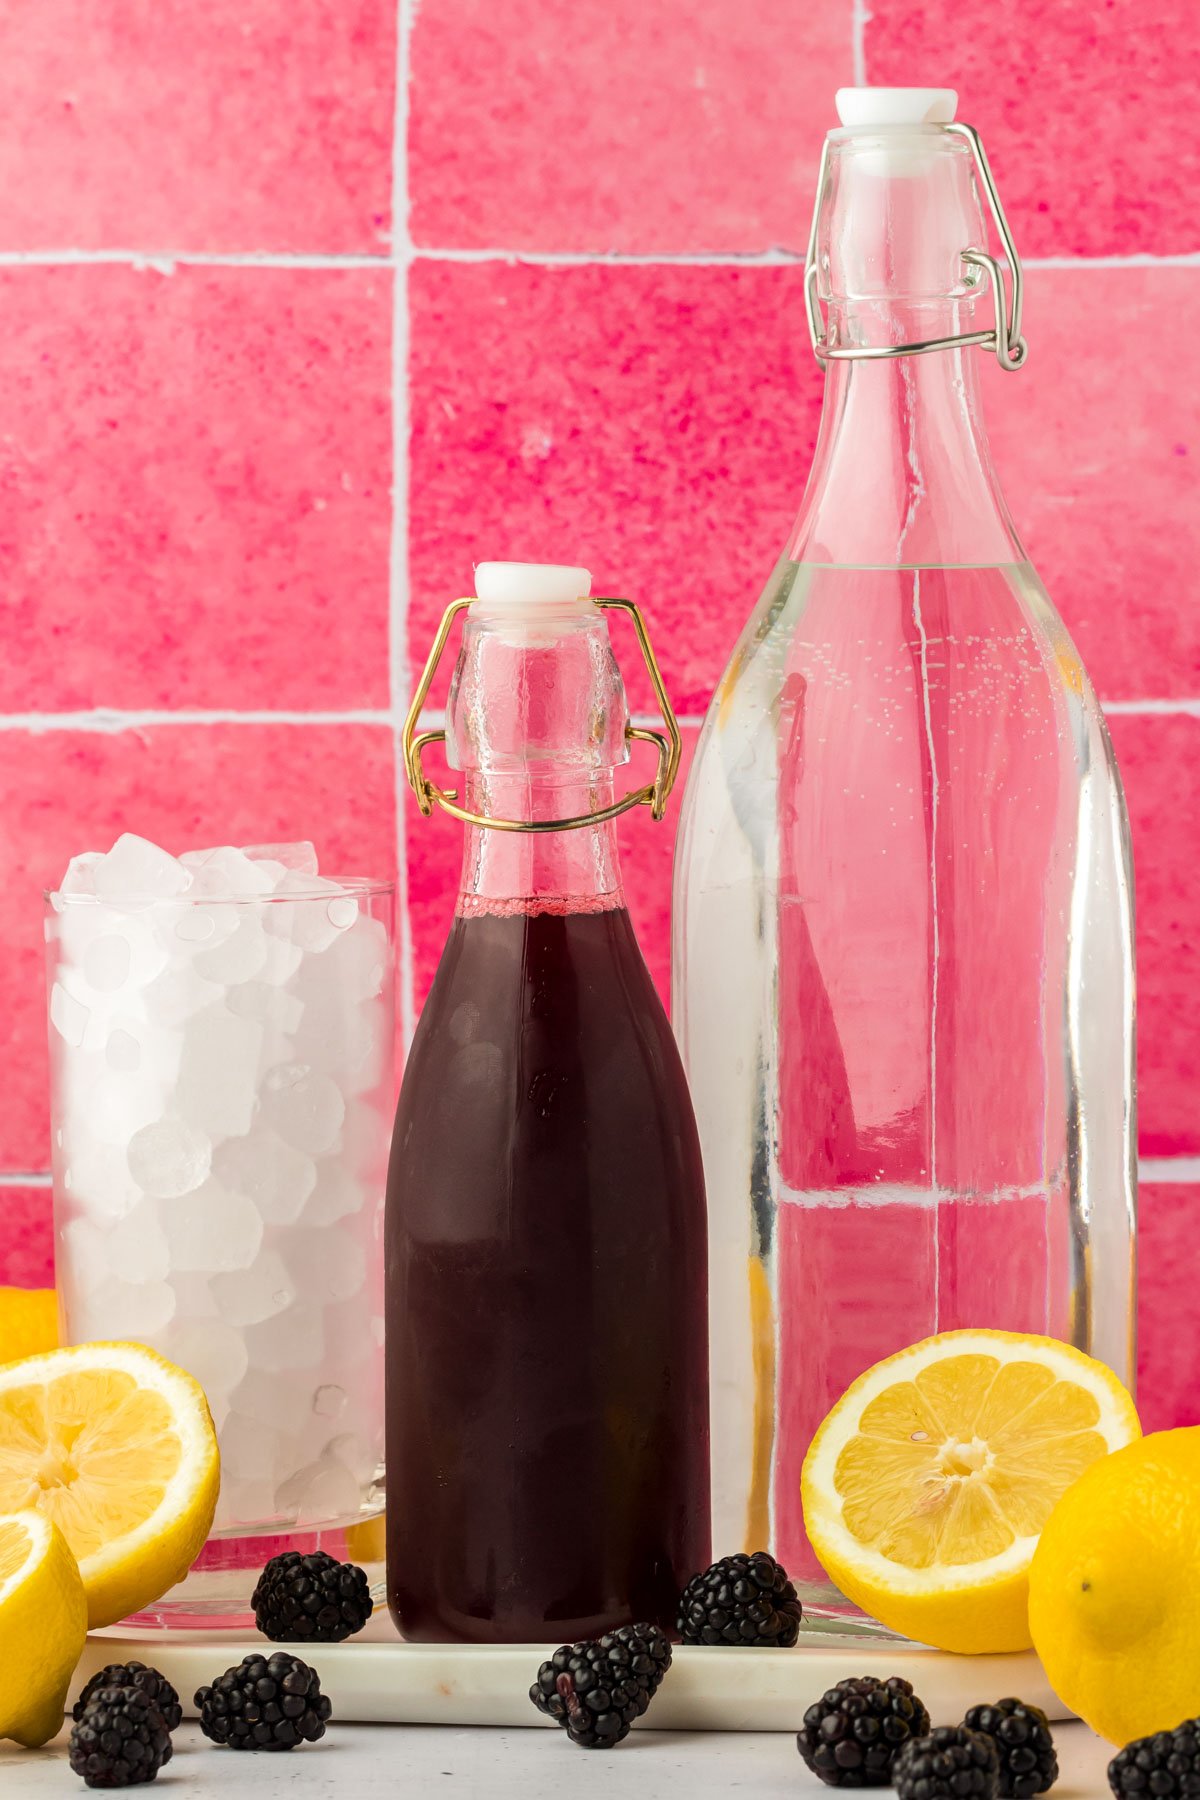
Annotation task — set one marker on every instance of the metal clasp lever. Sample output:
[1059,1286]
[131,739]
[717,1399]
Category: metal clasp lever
[654,795]
[1005,338]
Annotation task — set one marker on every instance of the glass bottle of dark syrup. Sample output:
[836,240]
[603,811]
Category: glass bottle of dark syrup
[547,1366]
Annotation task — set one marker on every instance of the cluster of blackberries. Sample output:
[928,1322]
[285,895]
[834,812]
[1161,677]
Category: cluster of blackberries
[125,1715]
[869,1733]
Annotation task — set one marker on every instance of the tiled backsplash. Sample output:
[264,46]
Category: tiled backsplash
[239,318]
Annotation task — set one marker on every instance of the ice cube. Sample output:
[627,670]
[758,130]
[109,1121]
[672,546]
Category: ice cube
[85,1254]
[170,1158]
[243,1503]
[282,959]
[347,1041]
[360,959]
[276,1008]
[329,1401]
[238,957]
[273,1175]
[193,1296]
[107,962]
[121,1309]
[80,877]
[118,1104]
[336,1196]
[68,1016]
[250,1451]
[304,1106]
[347,1329]
[300,858]
[96,1176]
[210,1350]
[293,1339]
[315,914]
[178,994]
[321,1493]
[227,874]
[276,1400]
[122,1052]
[212,1230]
[135,870]
[137,1247]
[327,1265]
[248,1296]
[355,1453]
[218,1072]
[365,1141]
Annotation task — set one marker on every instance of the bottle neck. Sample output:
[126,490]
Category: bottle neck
[510,872]
[903,471]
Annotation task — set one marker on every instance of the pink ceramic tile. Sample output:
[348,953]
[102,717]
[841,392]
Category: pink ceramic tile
[1087,111]
[26,1237]
[195,475]
[232,125]
[1096,443]
[1160,763]
[653,423]
[647,849]
[181,785]
[613,125]
[1169,1305]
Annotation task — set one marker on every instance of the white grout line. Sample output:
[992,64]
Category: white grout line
[1190,707]
[398,587]
[167,261]
[109,719]
[1168,1169]
[859,19]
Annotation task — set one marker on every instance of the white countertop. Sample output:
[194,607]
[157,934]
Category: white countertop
[369,1762]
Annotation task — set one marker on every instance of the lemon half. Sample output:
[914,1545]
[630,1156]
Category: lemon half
[928,1484]
[43,1623]
[116,1446]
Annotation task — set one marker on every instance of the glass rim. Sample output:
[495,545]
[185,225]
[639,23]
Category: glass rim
[357,886]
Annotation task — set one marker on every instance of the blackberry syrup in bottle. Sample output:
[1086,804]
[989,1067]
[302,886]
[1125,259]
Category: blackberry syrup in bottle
[547,1363]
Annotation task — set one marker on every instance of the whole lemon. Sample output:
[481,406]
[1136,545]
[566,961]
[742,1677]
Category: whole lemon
[1114,1589]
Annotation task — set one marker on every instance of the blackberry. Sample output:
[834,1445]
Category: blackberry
[1163,1767]
[311,1599]
[740,1600]
[596,1690]
[949,1763]
[1021,1734]
[853,1733]
[134,1674]
[264,1703]
[120,1739]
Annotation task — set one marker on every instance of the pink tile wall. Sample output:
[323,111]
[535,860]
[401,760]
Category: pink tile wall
[216,583]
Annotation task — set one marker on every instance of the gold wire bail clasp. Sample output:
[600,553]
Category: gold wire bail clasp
[982,268]
[654,795]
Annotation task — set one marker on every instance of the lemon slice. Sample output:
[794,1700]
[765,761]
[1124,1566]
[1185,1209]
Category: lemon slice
[43,1623]
[28,1321]
[927,1486]
[116,1446]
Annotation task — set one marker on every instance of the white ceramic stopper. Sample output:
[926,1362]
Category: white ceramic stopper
[862,107]
[530,584]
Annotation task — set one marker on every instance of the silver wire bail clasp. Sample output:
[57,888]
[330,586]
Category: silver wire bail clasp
[982,268]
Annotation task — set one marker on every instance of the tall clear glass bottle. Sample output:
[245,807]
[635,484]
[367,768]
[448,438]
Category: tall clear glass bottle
[903,935]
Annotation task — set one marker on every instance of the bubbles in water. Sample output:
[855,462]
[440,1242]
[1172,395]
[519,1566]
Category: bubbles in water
[169,1158]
